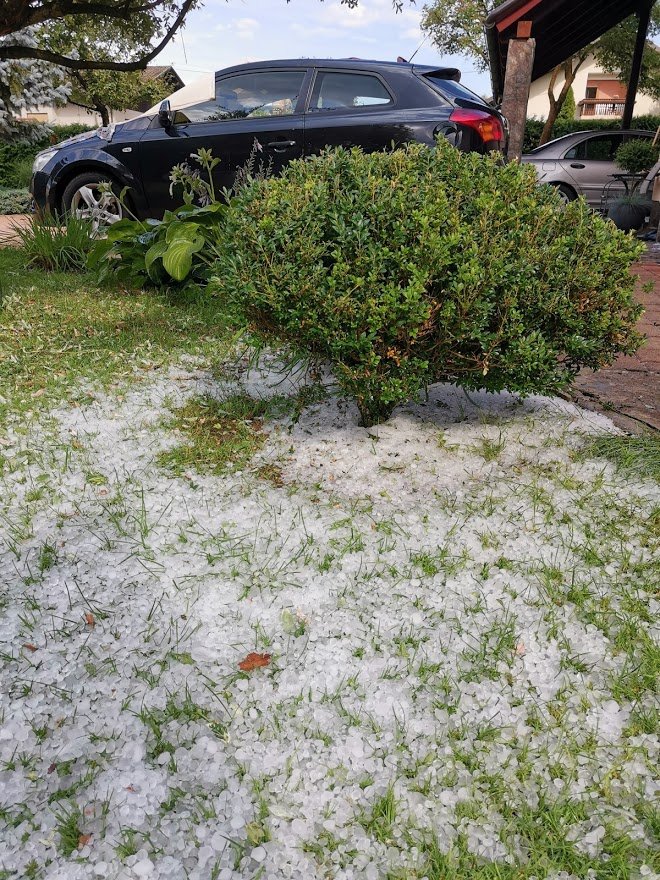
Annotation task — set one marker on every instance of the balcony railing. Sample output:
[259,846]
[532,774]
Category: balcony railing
[596,107]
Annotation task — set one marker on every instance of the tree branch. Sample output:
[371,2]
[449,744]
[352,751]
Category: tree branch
[29,15]
[18,52]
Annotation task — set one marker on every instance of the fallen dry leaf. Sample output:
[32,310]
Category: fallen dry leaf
[51,768]
[83,840]
[29,646]
[520,649]
[89,619]
[254,661]
[39,392]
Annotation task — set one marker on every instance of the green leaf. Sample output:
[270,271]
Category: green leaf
[177,259]
[182,230]
[156,250]
[99,252]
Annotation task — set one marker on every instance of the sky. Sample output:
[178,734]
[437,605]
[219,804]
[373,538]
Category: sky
[226,32]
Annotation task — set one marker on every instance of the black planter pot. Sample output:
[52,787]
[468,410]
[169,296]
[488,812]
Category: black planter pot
[627,216]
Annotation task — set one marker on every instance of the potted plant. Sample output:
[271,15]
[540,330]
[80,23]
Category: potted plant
[635,157]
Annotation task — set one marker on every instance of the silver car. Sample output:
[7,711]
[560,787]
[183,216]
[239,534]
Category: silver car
[582,163]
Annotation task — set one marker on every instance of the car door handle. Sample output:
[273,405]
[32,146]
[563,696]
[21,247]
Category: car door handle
[577,165]
[281,146]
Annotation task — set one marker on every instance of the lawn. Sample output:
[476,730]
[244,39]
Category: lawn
[243,637]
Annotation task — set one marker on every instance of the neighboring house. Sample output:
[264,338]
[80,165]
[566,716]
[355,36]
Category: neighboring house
[68,113]
[598,95]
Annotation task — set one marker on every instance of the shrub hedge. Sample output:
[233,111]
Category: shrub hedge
[15,154]
[423,265]
[15,201]
[534,127]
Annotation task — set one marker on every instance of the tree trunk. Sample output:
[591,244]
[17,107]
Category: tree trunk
[556,103]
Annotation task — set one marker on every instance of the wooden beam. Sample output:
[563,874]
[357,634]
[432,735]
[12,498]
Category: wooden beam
[642,30]
[524,31]
[517,15]
[519,64]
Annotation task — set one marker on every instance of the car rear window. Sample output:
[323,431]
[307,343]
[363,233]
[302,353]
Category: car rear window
[452,89]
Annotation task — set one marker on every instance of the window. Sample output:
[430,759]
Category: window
[338,91]
[452,89]
[248,96]
[596,149]
[602,149]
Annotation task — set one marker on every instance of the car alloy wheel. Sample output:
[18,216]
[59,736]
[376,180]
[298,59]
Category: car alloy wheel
[95,203]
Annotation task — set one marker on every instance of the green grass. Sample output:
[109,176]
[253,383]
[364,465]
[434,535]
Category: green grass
[380,823]
[59,329]
[56,248]
[541,832]
[220,435]
[69,829]
[636,455]
[223,435]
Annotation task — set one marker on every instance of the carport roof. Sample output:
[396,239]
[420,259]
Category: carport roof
[560,27]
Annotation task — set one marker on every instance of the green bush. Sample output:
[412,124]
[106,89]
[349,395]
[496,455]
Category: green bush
[15,201]
[16,156]
[421,265]
[534,127]
[568,108]
[637,156]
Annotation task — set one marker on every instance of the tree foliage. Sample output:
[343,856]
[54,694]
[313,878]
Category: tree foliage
[456,27]
[614,53]
[150,23]
[567,111]
[25,85]
[106,39]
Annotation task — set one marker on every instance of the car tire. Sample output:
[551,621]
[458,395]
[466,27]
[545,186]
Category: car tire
[83,198]
[566,192]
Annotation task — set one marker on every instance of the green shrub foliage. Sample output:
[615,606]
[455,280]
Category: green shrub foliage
[637,156]
[16,154]
[422,265]
[15,201]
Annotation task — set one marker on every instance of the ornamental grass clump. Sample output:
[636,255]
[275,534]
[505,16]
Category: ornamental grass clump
[420,265]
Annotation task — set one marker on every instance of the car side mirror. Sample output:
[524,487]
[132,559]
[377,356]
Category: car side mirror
[165,115]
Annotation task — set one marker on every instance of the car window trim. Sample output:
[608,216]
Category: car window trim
[343,110]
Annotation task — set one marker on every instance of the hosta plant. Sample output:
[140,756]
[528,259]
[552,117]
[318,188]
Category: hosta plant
[180,248]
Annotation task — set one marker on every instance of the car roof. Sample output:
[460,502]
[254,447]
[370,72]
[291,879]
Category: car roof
[347,63]
[560,143]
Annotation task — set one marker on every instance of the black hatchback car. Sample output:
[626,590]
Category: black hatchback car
[290,108]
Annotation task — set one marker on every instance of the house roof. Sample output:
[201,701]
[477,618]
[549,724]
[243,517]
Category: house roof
[158,71]
[560,27]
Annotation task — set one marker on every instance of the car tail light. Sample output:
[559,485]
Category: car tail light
[488,127]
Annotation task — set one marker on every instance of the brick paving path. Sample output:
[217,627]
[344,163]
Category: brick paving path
[8,224]
[629,390]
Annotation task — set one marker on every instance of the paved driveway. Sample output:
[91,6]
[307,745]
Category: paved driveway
[8,225]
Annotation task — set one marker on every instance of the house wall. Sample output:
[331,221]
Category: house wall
[70,113]
[539,105]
